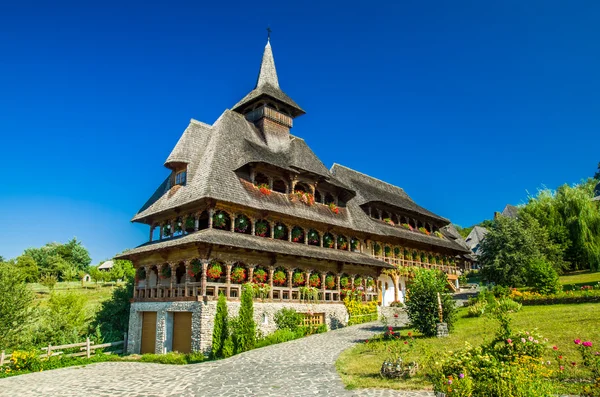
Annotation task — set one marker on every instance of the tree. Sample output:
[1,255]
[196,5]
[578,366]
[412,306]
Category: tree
[65,319]
[16,302]
[49,281]
[543,277]
[97,275]
[113,316]
[246,327]
[422,301]
[220,329]
[597,174]
[26,265]
[75,253]
[57,258]
[127,267]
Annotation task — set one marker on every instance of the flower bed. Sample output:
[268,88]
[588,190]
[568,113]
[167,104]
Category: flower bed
[565,297]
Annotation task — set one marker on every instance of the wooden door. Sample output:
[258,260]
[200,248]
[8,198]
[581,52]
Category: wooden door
[148,332]
[182,332]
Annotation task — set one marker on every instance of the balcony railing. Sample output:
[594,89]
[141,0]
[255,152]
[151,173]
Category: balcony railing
[448,269]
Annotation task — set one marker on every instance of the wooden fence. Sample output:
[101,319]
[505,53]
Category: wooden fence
[87,349]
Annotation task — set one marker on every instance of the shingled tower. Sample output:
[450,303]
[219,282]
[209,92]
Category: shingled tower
[268,107]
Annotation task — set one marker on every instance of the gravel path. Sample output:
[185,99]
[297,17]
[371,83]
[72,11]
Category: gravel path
[304,367]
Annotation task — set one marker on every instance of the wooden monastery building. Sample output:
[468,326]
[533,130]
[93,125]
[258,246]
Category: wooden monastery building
[248,201]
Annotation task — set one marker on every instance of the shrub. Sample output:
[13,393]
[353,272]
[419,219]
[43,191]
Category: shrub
[25,361]
[16,301]
[245,332]
[66,319]
[396,304]
[113,316]
[543,277]
[220,329]
[508,305]
[288,319]
[279,336]
[360,312]
[422,301]
[173,358]
[477,309]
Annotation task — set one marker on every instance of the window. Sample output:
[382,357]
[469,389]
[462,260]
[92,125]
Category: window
[180,178]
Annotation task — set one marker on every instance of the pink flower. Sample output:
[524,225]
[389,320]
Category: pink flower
[449,381]
[530,339]
[577,341]
[390,328]
[555,347]
[587,344]
[562,367]
[461,375]
[509,341]
[536,341]
[523,340]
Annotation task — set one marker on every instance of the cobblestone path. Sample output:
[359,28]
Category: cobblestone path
[304,367]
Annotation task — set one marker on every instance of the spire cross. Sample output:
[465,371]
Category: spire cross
[269,33]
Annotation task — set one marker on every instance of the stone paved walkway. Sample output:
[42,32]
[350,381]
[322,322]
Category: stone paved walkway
[304,367]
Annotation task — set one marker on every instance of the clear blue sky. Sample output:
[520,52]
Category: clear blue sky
[467,105]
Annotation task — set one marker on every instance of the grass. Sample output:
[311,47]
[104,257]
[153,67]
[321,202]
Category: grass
[359,366]
[95,293]
[579,279]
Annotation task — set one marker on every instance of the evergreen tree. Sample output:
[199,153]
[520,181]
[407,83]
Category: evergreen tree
[246,327]
[220,329]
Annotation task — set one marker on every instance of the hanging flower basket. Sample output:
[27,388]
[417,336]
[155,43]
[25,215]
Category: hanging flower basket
[166,230]
[396,252]
[259,276]
[342,243]
[389,221]
[354,244]
[195,268]
[141,274]
[313,237]
[438,234]
[261,228]
[387,250]
[190,224]
[165,272]
[238,275]
[264,189]
[370,282]
[334,208]
[214,271]
[377,249]
[407,226]
[297,235]
[358,282]
[241,224]
[328,241]
[298,279]
[303,197]
[424,231]
[279,278]
[315,280]
[279,232]
[178,226]
[219,220]
[344,282]
[330,282]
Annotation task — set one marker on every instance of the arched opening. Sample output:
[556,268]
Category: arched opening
[318,197]
[262,228]
[387,251]
[301,188]
[328,240]
[189,224]
[370,283]
[152,278]
[178,227]
[279,186]
[342,243]
[415,256]
[180,273]
[397,252]
[355,244]
[297,234]
[242,224]
[412,224]
[203,221]
[280,232]
[221,220]
[261,180]
[215,271]
[140,275]
[239,273]
[330,281]
[329,199]
[344,283]
[314,238]
[298,278]
[195,271]
[280,277]
[260,275]
[376,249]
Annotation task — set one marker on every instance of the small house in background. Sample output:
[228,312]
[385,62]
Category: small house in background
[106,266]
[86,278]
[475,238]
[464,261]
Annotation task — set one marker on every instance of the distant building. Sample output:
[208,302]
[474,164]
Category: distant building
[464,261]
[106,266]
[510,211]
[475,238]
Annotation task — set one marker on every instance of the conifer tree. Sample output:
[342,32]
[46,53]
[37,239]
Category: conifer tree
[246,328]
[221,328]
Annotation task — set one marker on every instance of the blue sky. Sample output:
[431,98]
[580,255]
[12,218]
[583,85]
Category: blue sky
[467,105]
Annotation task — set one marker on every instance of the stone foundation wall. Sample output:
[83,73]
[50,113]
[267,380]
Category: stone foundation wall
[203,315]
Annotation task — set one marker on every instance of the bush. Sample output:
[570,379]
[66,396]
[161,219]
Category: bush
[113,316]
[245,330]
[288,319]
[16,300]
[508,305]
[396,304]
[477,309]
[66,318]
[173,358]
[543,277]
[220,329]
[422,301]
[360,312]
[25,361]
[279,336]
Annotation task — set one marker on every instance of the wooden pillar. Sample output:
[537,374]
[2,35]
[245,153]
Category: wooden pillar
[352,280]
[323,275]
[306,231]
[272,229]
[188,268]
[204,269]
[211,212]
[290,273]
[338,286]
[232,222]
[253,226]
[151,232]
[271,272]
[228,266]
[146,281]
[321,239]
[252,175]
[160,232]
[307,283]
[250,272]
[173,266]
[289,232]
[335,241]
[196,221]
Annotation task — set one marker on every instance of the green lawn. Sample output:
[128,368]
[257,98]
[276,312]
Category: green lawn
[579,279]
[94,293]
[561,324]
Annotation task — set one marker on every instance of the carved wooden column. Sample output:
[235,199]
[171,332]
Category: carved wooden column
[160,232]
[173,266]
[186,279]
[323,275]
[306,231]
[173,224]
[289,231]
[197,221]
[228,266]
[335,241]
[307,283]
[252,175]
[352,280]
[290,273]
[338,286]
[272,229]
[250,272]
[204,281]
[270,183]
[232,222]
[211,212]
[271,272]
[253,226]
[321,239]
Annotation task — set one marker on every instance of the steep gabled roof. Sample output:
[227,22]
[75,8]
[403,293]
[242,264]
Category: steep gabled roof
[475,238]
[510,211]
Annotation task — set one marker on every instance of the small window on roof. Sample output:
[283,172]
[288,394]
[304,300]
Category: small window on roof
[180,178]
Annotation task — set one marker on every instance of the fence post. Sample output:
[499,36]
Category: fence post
[87,347]
[125,342]
[2,358]
[49,350]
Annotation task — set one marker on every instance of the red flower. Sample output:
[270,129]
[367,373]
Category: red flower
[396,315]
[577,341]
[574,363]
[405,342]
[555,347]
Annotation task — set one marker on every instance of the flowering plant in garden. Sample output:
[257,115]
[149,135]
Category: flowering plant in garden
[313,237]
[165,272]
[219,220]
[424,231]
[238,275]
[279,232]
[261,228]
[330,282]
[214,271]
[388,221]
[314,280]
[195,268]
[334,208]
[407,226]
[297,235]
[279,278]
[264,189]
[259,290]
[590,357]
[241,224]
[298,279]
[259,276]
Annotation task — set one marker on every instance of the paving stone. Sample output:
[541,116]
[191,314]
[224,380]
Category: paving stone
[304,367]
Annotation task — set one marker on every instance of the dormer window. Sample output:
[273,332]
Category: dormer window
[180,177]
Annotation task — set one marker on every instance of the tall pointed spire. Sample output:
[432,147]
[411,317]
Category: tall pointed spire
[267,73]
